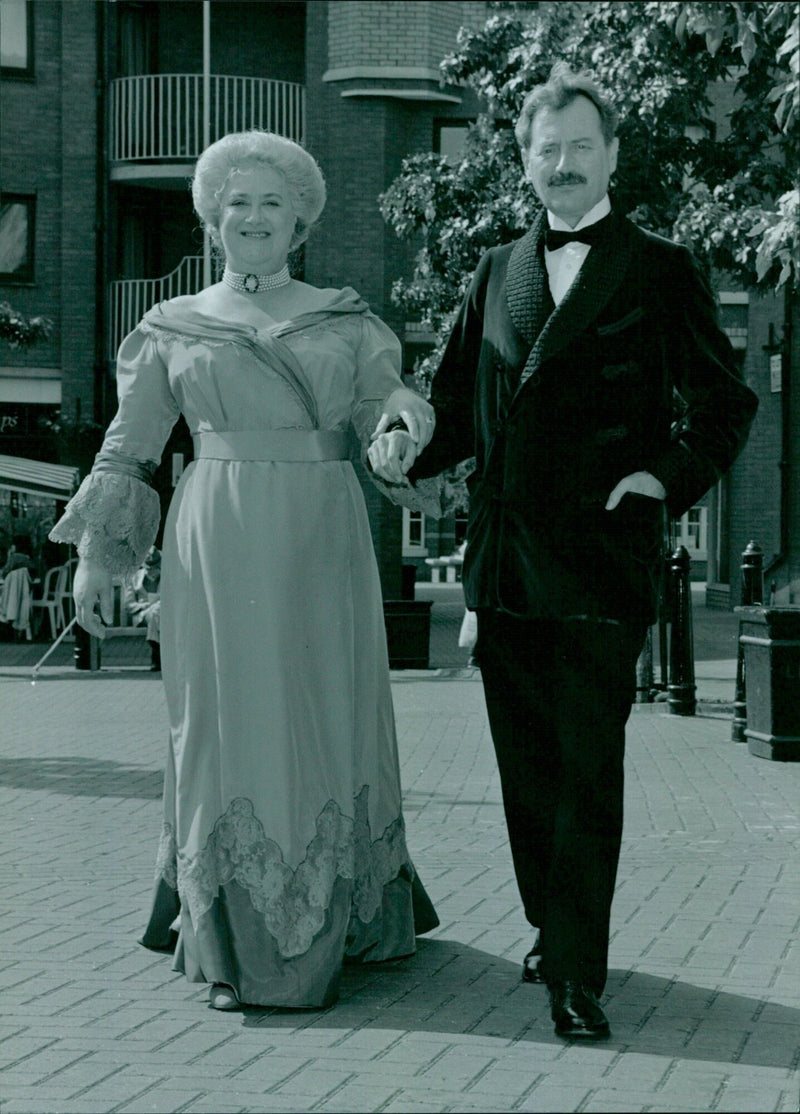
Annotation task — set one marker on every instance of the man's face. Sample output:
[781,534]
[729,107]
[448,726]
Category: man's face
[568,161]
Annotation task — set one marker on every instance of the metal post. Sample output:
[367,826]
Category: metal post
[665,608]
[206,123]
[87,650]
[663,652]
[681,689]
[752,593]
[645,682]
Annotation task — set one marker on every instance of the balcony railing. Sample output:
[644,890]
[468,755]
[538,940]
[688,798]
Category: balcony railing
[129,299]
[160,116]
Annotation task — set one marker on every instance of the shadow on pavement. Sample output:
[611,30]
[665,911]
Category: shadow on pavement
[23,674]
[76,776]
[449,987]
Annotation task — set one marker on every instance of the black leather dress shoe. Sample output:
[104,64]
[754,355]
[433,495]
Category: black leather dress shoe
[532,965]
[576,1011]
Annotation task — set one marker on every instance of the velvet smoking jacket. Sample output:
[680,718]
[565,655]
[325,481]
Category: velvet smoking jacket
[631,372]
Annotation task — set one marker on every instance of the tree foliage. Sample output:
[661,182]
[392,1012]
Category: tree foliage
[747,221]
[729,193]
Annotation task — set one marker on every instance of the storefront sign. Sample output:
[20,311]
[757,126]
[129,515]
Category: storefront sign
[775,372]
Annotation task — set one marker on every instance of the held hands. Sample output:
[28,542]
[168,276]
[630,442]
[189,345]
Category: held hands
[93,585]
[392,454]
[418,415]
[638,483]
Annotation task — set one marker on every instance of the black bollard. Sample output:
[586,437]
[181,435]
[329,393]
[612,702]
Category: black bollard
[752,593]
[752,575]
[87,650]
[664,616]
[681,689]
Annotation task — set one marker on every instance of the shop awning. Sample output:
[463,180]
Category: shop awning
[35,477]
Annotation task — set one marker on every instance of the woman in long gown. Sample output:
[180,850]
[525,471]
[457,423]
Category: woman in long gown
[283,847]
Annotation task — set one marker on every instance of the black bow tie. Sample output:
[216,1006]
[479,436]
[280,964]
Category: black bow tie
[555,239]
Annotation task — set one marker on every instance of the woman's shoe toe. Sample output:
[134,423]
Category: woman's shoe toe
[222,997]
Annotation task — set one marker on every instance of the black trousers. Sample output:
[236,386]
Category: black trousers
[558,694]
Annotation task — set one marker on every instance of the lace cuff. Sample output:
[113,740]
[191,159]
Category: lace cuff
[435,497]
[113,519]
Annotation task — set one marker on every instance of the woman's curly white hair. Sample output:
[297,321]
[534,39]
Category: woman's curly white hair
[240,150]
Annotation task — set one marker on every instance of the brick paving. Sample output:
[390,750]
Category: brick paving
[704,992]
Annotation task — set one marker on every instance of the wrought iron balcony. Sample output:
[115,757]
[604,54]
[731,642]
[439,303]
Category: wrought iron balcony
[159,118]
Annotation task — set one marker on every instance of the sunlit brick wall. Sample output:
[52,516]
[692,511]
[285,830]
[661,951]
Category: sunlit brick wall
[389,33]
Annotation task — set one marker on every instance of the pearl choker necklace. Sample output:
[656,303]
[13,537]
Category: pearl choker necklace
[254,284]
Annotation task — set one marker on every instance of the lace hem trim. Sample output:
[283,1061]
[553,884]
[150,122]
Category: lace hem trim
[293,903]
[113,519]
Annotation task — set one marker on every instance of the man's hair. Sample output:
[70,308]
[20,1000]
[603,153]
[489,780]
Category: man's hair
[562,87]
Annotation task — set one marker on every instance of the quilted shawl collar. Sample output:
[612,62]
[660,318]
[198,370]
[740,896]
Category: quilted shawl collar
[549,328]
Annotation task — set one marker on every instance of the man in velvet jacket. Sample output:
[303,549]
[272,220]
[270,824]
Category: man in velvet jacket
[591,382]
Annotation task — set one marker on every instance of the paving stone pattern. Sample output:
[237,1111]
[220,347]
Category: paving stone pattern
[703,997]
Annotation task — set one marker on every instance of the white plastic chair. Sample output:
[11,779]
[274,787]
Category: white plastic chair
[52,598]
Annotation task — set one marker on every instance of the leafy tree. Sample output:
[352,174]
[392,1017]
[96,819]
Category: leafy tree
[731,197]
[749,222]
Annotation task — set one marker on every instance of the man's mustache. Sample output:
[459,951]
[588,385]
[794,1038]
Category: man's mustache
[567,180]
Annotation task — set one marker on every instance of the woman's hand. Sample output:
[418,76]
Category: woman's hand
[418,415]
[93,585]
[392,454]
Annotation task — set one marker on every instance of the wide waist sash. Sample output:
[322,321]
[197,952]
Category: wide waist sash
[273,444]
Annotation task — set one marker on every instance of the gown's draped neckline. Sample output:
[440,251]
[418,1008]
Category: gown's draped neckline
[265,343]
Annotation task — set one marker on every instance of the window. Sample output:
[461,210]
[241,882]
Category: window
[449,137]
[733,316]
[462,519]
[16,237]
[16,38]
[413,533]
[693,532]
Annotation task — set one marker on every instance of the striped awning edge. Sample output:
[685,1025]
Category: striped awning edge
[37,477]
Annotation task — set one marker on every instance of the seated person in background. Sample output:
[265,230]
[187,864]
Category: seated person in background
[19,556]
[15,594]
[143,602]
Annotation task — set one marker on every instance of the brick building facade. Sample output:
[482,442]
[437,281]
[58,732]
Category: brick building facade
[49,155]
[103,113]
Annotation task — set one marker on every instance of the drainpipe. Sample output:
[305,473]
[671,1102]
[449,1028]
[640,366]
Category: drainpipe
[206,123]
[100,414]
[784,348]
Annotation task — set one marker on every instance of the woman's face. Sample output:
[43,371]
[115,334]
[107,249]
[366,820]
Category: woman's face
[257,221]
